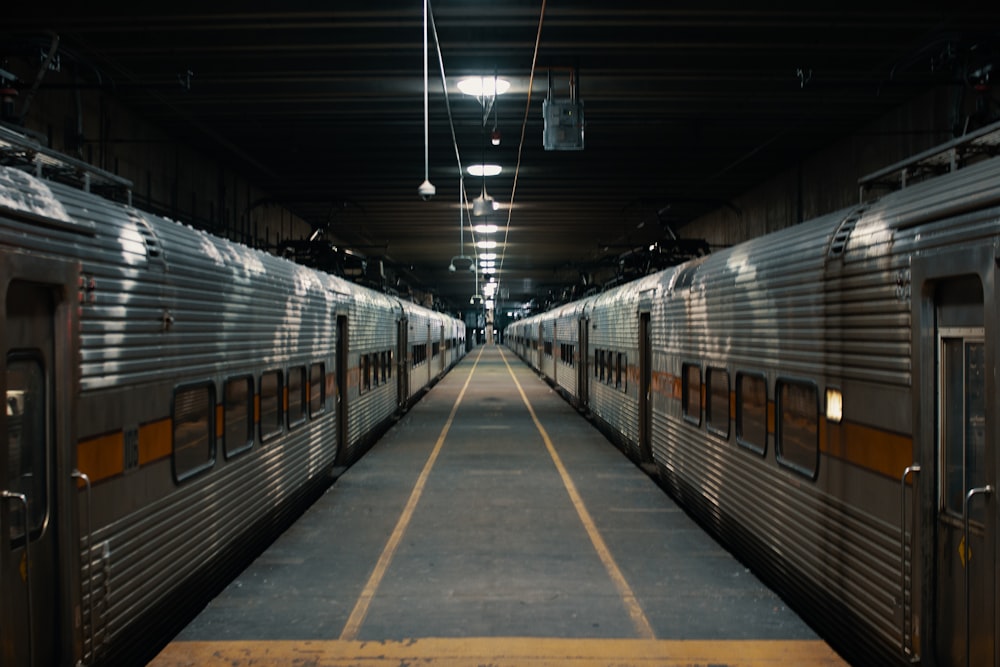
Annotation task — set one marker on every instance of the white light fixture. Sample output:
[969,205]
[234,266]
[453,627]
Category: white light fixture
[487,263]
[834,405]
[485,229]
[484,169]
[488,255]
[487,245]
[483,86]
[489,271]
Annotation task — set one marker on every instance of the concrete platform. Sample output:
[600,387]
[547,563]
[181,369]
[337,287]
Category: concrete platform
[493,525]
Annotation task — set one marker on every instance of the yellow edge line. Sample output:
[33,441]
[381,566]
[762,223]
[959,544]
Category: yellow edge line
[502,652]
[635,612]
[357,617]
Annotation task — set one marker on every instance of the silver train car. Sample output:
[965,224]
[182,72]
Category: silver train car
[823,399]
[174,400]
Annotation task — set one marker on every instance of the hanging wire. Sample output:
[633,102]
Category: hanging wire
[520,146]
[454,139]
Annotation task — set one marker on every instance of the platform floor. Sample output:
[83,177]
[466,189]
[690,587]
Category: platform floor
[494,526]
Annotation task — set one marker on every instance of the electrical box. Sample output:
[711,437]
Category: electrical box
[563,129]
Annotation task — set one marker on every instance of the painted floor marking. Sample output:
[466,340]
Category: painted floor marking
[501,652]
[360,611]
[635,612]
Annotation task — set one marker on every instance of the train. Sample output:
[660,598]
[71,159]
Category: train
[823,400]
[174,400]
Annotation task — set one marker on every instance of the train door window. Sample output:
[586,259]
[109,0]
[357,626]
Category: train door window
[296,396]
[388,365]
[27,437]
[797,441]
[599,364]
[317,389]
[619,369]
[436,349]
[238,415]
[271,390]
[751,412]
[963,422]
[385,366]
[717,409]
[691,393]
[193,430]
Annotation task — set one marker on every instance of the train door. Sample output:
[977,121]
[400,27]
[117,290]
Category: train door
[402,362]
[645,382]
[342,383]
[582,362]
[36,488]
[964,550]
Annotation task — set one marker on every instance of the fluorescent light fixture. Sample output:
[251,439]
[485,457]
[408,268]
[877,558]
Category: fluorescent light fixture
[484,169]
[482,86]
[485,229]
[487,245]
[489,271]
[487,263]
[488,255]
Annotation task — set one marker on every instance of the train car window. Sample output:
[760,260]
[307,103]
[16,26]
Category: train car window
[797,438]
[237,412]
[717,410]
[270,404]
[27,462]
[751,412]
[384,356]
[620,370]
[366,373]
[435,349]
[599,364]
[388,365]
[317,389]
[296,396]
[548,348]
[193,430]
[691,393]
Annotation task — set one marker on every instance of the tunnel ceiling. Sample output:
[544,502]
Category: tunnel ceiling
[685,106]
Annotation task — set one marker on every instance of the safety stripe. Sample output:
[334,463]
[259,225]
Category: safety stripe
[501,652]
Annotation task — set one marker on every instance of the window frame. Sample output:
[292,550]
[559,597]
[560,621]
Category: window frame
[779,426]
[320,403]
[208,463]
[712,425]
[250,396]
[693,419]
[299,417]
[280,415]
[741,440]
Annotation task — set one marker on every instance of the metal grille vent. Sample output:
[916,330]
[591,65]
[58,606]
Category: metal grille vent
[843,234]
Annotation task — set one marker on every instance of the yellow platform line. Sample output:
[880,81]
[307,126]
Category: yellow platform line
[639,620]
[501,652]
[357,617]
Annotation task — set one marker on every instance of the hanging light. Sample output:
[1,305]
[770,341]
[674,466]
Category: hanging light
[426,190]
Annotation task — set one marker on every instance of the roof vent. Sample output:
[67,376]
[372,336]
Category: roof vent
[843,233]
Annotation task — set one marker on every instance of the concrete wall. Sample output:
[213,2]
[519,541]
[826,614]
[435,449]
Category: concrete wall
[170,176]
[828,180]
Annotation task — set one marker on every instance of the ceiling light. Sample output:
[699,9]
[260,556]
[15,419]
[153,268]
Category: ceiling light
[488,255]
[489,271]
[488,245]
[484,169]
[487,263]
[495,137]
[485,229]
[483,86]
